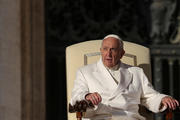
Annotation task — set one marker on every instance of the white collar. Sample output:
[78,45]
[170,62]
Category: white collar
[114,68]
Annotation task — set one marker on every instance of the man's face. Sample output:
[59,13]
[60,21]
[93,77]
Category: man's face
[111,52]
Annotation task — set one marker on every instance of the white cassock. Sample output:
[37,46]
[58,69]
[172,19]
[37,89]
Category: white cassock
[119,100]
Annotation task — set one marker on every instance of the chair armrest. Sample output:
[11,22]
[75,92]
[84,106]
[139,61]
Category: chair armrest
[80,107]
[169,113]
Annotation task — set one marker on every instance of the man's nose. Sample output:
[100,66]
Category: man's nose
[109,52]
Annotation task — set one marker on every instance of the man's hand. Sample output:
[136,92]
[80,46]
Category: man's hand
[170,102]
[95,98]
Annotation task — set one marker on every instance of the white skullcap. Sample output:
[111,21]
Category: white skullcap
[117,37]
[114,36]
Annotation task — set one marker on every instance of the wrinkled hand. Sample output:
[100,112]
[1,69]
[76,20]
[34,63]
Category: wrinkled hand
[170,102]
[95,98]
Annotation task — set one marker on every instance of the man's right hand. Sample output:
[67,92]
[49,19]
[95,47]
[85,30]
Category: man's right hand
[95,98]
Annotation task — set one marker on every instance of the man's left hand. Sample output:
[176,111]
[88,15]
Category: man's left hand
[170,102]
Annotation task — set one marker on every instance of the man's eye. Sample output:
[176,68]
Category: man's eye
[113,49]
[105,49]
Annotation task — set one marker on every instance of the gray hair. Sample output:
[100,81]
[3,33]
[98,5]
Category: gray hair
[117,37]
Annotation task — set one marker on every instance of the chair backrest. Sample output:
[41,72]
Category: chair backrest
[84,53]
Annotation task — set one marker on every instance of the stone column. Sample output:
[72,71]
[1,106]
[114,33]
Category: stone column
[22,81]
[10,60]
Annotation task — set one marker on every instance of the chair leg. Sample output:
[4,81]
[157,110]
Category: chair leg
[79,115]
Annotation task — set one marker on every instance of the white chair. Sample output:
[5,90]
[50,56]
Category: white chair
[84,53]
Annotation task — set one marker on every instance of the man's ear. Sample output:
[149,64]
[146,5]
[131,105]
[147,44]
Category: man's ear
[122,53]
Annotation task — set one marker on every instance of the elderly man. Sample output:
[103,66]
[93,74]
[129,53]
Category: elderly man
[115,88]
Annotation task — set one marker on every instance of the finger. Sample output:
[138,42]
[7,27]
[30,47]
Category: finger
[177,103]
[164,104]
[174,104]
[89,97]
[92,100]
[95,99]
[171,102]
[98,97]
[168,104]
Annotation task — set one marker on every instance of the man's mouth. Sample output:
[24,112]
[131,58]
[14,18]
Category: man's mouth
[109,59]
